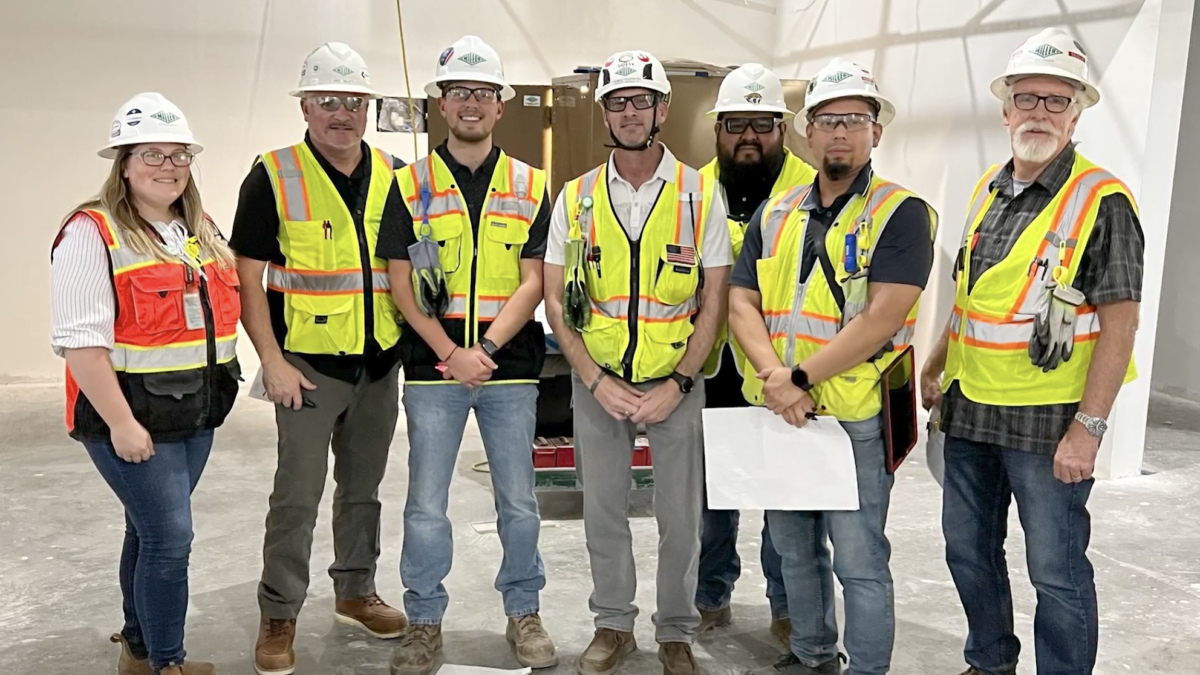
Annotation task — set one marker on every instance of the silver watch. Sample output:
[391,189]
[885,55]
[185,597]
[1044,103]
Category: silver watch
[1094,425]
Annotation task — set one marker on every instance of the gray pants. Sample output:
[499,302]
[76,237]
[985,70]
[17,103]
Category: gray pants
[603,456]
[360,419]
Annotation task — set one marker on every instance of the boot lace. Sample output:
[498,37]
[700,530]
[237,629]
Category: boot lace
[530,626]
[420,634]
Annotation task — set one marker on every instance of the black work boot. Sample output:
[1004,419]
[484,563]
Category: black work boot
[789,664]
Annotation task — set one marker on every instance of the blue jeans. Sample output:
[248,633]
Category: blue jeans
[860,562]
[981,481]
[437,415]
[156,495]
[720,565]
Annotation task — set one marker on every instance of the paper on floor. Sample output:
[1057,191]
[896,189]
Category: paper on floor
[755,460]
[454,669]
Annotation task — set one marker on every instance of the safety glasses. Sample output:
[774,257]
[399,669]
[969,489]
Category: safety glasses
[180,158]
[463,94]
[640,102]
[852,121]
[1054,104]
[760,125]
[334,103]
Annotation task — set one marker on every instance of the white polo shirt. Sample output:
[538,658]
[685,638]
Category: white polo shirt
[632,208]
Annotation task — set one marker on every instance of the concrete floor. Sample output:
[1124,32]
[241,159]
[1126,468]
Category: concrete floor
[60,534]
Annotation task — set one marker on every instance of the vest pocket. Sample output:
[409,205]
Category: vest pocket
[310,245]
[503,239]
[170,402]
[605,340]
[665,344]
[228,300]
[448,235]
[322,324]
[157,293]
[677,277]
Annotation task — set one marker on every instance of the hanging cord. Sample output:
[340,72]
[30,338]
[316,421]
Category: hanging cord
[412,107]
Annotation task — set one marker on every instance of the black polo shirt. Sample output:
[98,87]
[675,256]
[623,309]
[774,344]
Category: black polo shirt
[255,235]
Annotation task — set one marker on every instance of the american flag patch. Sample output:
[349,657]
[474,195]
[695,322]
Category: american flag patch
[681,255]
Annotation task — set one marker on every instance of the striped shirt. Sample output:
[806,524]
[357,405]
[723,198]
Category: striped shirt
[83,304]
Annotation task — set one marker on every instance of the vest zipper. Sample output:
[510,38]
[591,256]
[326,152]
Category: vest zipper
[473,307]
[210,339]
[360,229]
[635,294]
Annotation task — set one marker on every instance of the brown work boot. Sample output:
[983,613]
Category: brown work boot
[273,653]
[718,619]
[531,642]
[419,647]
[372,615]
[127,664]
[782,630]
[605,652]
[677,658]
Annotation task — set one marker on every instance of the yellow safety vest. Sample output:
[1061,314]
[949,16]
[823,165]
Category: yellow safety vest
[802,315]
[326,275]
[482,270]
[795,173]
[987,353]
[645,293]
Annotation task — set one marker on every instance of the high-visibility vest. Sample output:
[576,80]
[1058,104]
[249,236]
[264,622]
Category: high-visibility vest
[328,272]
[987,353]
[795,173]
[178,379]
[802,315]
[643,294]
[482,269]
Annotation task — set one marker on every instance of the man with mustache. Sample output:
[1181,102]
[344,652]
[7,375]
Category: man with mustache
[326,331]
[751,165]
[1049,230]
[824,298]
[639,255]
[481,217]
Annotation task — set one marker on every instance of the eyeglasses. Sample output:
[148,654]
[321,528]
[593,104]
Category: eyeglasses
[853,121]
[180,158]
[463,94]
[760,125]
[1054,104]
[640,102]
[333,103]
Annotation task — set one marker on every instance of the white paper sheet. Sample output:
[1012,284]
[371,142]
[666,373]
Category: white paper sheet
[258,390]
[455,669]
[755,460]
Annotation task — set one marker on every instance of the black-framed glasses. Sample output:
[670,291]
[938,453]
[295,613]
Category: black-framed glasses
[333,103]
[1054,103]
[178,158]
[760,125]
[640,102]
[464,94]
[852,121]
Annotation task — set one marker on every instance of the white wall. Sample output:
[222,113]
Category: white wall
[936,58]
[229,65]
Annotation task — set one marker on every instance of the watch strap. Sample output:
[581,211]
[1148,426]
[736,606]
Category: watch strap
[488,346]
[596,382]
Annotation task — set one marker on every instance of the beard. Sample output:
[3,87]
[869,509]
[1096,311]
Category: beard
[836,171]
[765,170]
[1035,148]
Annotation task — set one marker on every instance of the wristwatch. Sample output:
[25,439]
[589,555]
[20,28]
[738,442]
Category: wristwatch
[800,379]
[685,383]
[1094,425]
[488,347]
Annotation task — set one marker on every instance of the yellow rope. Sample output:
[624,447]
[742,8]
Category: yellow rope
[412,107]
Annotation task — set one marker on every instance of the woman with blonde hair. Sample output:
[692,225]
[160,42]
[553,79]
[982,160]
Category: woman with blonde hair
[145,307]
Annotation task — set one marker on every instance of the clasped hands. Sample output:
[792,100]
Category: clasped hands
[783,398]
[623,401]
[470,367]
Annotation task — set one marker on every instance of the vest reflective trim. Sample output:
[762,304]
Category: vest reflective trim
[180,356]
[587,186]
[487,308]
[516,203]
[649,309]
[777,214]
[293,188]
[313,282]
[982,196]
[1015,335]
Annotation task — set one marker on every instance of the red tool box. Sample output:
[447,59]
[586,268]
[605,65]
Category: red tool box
[559,453]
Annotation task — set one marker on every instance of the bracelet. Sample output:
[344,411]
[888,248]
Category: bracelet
[447,359]
[596,382]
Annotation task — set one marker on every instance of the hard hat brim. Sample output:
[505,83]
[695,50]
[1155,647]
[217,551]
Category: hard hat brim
[601,92]
[337,88]
[716,112]
[434,88]
[1089,95]
[111,150]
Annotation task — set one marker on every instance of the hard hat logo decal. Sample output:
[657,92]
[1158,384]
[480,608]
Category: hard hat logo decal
[643,58]
[626,71]
[754,98]
[166,117]
[133,123]
[343,71]
[116,130]
[134,111]
[835,78]
[754,86]
[626,58]
[1046,51]
[1077,55]
[472,59]
[445,56]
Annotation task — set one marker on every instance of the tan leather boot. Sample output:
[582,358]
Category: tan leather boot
[127,664]
[273,653]
[677,658]
[418,650]
[372,615]
[531,642]
[782,630]
[605,652]
[190,668]
[718,619]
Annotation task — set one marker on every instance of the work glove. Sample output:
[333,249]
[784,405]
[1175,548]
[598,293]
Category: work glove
[1053,339]
[428,279]
[577,307]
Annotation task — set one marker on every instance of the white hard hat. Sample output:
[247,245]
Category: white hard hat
[750,88]
[470,59]
[148,118]
[1054,53]
[844,79]
[334,66]
[626,70]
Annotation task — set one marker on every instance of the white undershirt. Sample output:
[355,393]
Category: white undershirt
[82,305]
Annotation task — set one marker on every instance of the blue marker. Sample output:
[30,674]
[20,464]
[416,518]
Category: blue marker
[851,253]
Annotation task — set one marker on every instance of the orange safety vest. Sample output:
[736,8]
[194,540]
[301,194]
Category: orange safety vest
[177,379]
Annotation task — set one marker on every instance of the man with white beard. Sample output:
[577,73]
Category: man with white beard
[1052,252]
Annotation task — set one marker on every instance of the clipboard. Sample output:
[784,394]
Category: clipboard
[898,390]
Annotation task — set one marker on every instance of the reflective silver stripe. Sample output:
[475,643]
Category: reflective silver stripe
[773,220]
[457,307]
[387,158]
[876,197]
[381,281]
[517,204]
[587,183]
[184,356]
[292,281]
[438,205]
[295,206]
[981,198]
[612,309]
[1016,334]
[904,336]
[651,309]
[488,310]
[777,324]
[691,194]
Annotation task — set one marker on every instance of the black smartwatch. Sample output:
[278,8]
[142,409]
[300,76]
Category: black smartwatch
[800,379]
[685,383]
[488,347]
